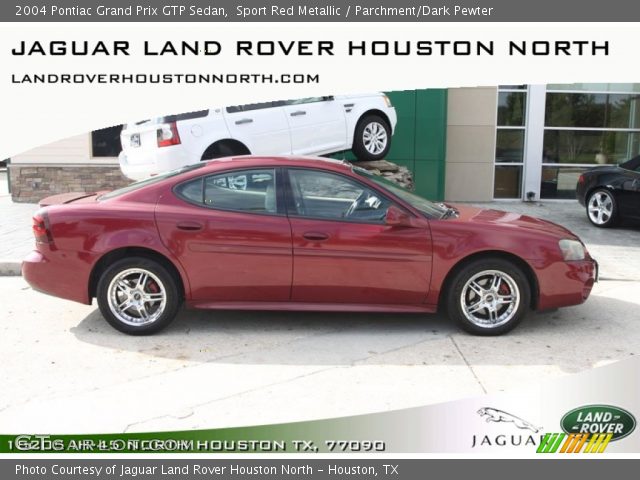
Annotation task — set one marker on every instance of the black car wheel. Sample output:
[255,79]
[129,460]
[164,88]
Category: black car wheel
[372,138]
[138,296]
[489,297]
[602,209]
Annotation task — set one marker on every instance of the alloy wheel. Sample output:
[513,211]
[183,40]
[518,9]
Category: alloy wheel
[374,138]
[490,299]
[137,297]
[600,207]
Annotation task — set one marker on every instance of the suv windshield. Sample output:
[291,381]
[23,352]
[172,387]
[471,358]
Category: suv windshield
[429,208]
[149,181]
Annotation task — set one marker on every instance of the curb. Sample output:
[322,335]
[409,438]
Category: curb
[10,268]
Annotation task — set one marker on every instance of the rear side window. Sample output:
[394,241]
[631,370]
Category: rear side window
[150,181]
[191,191]
[254,106]
[185,116]
[252,191]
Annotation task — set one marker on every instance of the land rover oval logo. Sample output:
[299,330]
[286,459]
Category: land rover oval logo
[599,419]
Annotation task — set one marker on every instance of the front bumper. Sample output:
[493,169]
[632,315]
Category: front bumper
[566,283]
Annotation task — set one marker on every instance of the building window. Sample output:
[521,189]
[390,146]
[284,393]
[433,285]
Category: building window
[586,125]
[510,141]
[106,142]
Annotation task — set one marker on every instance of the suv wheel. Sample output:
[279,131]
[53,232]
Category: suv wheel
[372,138]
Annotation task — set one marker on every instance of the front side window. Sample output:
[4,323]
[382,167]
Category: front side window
[302,101]
[252,191]
[329,196]
[429,208]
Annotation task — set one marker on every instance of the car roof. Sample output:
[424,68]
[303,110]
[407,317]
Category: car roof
[278,161]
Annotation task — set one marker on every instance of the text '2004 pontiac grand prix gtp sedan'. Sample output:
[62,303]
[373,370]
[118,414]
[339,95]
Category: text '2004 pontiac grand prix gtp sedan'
[298,234]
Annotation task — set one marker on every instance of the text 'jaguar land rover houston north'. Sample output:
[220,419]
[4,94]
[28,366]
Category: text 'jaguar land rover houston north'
[306,126]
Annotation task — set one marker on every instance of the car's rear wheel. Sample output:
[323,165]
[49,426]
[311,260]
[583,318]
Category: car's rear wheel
[489,297]
[372,138]
[602,209]
[138,296]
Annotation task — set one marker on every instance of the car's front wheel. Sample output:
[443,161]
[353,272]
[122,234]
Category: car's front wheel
[138,296]
[489,297]
[602,209]
[372,138]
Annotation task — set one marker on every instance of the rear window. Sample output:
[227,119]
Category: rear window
[149,181]
[169,118]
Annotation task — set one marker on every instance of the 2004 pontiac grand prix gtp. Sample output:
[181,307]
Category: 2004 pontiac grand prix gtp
[291,233]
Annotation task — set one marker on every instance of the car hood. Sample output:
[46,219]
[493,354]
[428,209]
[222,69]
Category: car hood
[491,218]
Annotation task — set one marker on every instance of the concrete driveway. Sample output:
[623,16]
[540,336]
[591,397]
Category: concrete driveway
[65,370]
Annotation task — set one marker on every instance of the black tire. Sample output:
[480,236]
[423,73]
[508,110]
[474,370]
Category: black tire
[366,124]
[224,149]
[163,284]
[512,279]
[602,208]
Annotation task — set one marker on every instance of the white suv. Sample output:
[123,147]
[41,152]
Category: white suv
[308,126]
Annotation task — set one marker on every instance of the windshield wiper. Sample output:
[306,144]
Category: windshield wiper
[449,212]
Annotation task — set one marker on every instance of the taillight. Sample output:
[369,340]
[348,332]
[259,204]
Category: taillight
[168,135]
[581,180]
[41,227]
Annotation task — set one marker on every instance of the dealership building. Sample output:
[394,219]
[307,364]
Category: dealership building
[521,142]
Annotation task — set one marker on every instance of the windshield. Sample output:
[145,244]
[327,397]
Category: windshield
[633,164]
[149,181]
[429,208]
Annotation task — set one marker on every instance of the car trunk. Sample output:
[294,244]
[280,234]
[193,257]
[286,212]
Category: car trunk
[62,198]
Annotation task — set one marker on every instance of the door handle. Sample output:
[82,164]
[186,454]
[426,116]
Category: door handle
[298,113]
[244,120]
[349,105]
[316,236]
[189,226]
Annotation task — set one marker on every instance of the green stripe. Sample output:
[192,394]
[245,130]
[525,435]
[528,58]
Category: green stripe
[556,445]
[543,443]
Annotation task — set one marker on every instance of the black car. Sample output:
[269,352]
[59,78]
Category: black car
[611,193]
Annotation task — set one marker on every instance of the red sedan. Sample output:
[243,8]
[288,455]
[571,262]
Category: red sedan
[298,234]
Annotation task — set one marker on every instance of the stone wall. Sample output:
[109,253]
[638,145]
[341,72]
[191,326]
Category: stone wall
[32,183]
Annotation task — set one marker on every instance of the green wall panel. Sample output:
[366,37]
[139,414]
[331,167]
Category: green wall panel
[420,140]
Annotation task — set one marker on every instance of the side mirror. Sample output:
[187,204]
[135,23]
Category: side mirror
[397,218]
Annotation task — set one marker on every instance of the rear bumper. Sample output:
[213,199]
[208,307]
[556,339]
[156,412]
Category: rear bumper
[138,164]
[57,275]
[566,283]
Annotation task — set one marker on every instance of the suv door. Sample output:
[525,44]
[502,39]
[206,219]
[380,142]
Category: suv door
[231,235]
[342,250]
[318,125]
[262,127]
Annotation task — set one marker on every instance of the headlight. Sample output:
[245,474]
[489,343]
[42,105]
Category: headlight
[387,101]
[572,250]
